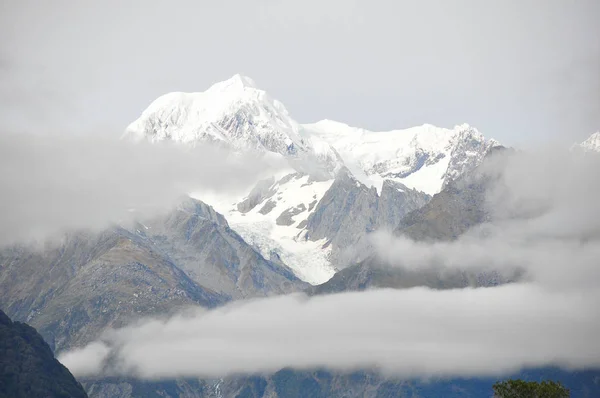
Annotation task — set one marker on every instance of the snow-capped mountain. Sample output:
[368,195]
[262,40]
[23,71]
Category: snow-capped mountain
[592,144]
[425,157]
[273,218]
[238,114]
[279,217]
[234,112]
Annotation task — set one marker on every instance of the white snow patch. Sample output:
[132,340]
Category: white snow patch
[592,144]
[307,259]
[374,156]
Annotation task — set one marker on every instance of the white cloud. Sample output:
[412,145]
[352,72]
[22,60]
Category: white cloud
[88,360]
[545,221]
[413,333]
[52,183]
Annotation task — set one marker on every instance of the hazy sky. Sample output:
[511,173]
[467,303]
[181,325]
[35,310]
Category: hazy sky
[521,71]
[59,182]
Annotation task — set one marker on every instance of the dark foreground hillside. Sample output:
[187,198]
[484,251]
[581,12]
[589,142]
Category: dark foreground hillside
[28,368]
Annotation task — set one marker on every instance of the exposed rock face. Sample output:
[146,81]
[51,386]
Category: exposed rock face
[260,192]
[276,224]
[450,213]
[349,210]
[468,152]
[28,368]
[424,157]
[73,290]
[345,212]
[395,201]
[457,208]
[202,244]
[286,217]
[371,274]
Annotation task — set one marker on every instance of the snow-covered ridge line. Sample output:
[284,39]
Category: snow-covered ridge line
[234,111]
[423,157]
[275,221]
[591,144]
[242,116]
[237,114]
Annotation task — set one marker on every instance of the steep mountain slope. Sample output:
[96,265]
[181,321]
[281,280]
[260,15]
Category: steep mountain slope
[371,274]
[425,157]
[457,208]
[592,144]
[272,217]
[309,224]
[239,115]
[73,290]
[201,243]
[234,112]
[28,368]
[449,214]
[284,217]
[349,210]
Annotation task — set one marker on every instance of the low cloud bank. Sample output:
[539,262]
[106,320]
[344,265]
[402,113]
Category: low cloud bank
[544,220]
[413,333]
[54,183]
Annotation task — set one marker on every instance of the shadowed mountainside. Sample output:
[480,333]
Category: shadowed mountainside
[28,368]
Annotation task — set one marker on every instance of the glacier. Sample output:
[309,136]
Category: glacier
[235,113]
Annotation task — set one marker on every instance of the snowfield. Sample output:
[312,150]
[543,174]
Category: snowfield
[261,229]
[237,114]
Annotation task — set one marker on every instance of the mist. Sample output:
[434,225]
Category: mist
[544,219]
[410,333]
[525,73]
[546,228]
[52,183]
[522,72]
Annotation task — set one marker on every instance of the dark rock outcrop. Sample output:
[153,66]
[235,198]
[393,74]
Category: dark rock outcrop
[28,368]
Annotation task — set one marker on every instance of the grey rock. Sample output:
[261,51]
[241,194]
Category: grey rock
[267,207]
[260,192]
[345,213]
[450,213]
[395,201]
[302,224]
[28,367]
[371,273]
[460,206]
[286,216]
[349,211]
[469,151]
[73,290]
[215,256]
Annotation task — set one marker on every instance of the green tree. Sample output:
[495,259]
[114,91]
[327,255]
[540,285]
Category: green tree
[530,389]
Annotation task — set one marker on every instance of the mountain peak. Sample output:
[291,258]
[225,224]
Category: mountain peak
[591,144]
[235,82]
[232,112]
[593,141]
